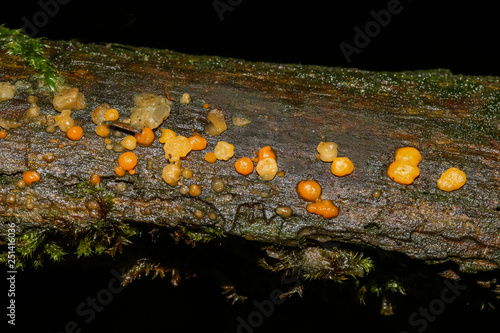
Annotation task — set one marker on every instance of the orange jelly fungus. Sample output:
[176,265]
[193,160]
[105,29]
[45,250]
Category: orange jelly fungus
[3,134]
[309,190]
[146,138]
[75,133]
[120,172]
[402,172]
[452,179]
[342,166]
[408,154]
[210,157]
[325,208]
[30,176]
[244,166]
[111,114]
[266,152]
[127,161]
[197,142]
[95,179]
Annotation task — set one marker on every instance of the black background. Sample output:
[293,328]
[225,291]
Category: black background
[460,36]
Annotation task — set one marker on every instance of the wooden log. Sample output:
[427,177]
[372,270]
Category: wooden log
[451,119]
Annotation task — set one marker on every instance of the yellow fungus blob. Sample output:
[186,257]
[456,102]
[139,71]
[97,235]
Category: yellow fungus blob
[284,211]
[7,91]
[69,99]
[171,174]
[176,147]
[30,176]
[451,180]
[408,154]
[210,157]
[64,120]
[102,130]
[402,172]
[129,142]
[111,115]
[217,184]
[341,166]
[166,134]
[267,168]
[327,151]
[194,190]
[33,111]
[309,190]
[185,99]
[99,113]
[325,208]
[150,111]
[224,151]
[217,123]
[127,161]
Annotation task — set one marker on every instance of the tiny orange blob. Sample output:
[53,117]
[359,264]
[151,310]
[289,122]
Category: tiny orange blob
[244,166]
[30,176]
[3,134]
[206,105]
[402,172]
[309,190]
[408,154]
[342,166]
[146,138]
[451,180]
[120,172]
[111,114]
[127,161]
[197,142]
[95,179]
[266,152]
[102,130]
[210,157]
[75,133]
[325,208]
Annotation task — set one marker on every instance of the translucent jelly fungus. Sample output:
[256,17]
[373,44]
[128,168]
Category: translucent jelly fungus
[7,91]
[267,168]
[266,152]
[197,142]
[325,208]
[150,111]
[69,99]
[244,166]
[171,174]
[409,155]
[75,133]
[64,120]
[308,190]
[176,146]
[99,113]
[327,151]
[30,176]
[146,138]
[451,180]
[224,151]
[217,123]
[402,172]
[127,161]
[341,166]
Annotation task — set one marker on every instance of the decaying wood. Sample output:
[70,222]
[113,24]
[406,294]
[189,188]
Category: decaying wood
[452,120]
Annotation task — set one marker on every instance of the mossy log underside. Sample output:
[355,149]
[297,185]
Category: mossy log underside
[451,119]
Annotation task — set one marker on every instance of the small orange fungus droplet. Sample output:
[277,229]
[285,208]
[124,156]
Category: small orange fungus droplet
[120,172]
[132,172]
[342,166]
[309,190]
[30,176]
[3,134]
[206,105]
[146,138]
[325,208]
[197,142]
[102,130]
[127,161]
[210,157]
[194,190]
[95,179]
[266,152]
[452,179]
[402,172]
[111,114]
[408,154]
[75,133]
[244,166]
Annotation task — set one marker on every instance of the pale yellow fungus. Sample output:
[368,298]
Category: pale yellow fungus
[171,174]
[150,111]
[327,151]
[7,91]
[64,120]
[267,168]
[224,151]
[69,99]
[185,99]
[129,142]
[217,123]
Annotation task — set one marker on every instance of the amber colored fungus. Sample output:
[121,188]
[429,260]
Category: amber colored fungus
[99,113]
[150,111]
[284,211]
[120,172]
[171,174]
[244,166]
[408,154]
[327,151]
[197,142]
[217,123]
[127,161]
[217,184]
[111,114]
[451,180]
[102,130]
[210,157]
[69,99]
[309,190]
[30,176]
[187,173]
[146,138]
[75,133]
[176,146]
[402,172]
[342,166]
[95,179]
[129,142]
[206,105]
[3,134]
[325,208]
[223,151]
[267,168]
[64,120]
[194,190]
[266,152]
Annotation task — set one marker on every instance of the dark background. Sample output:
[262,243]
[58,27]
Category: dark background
[462,37]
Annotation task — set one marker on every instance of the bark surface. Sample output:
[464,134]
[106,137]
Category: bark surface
[451,119]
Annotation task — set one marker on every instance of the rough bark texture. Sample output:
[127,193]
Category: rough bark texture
[451,119]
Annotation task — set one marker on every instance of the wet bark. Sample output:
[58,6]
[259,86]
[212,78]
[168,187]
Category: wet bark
[451,119]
